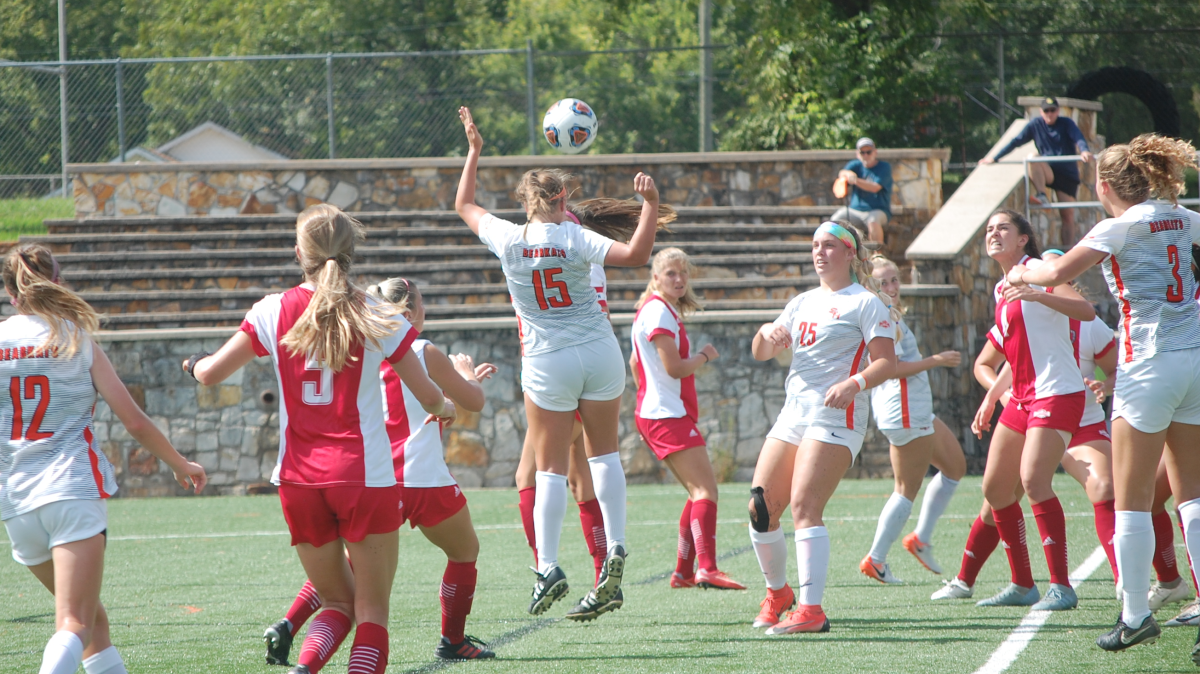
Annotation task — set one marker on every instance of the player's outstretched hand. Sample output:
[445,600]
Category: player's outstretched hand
[473,138]
[710,351]
[948,359]
[644,185]
[447,417]
[192,476]
[485,371]
[840,395]
[464,365]
[983,417]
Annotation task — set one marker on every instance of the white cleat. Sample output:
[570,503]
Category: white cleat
[954,589]
[1161,595]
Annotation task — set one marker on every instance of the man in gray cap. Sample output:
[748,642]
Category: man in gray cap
[871,196]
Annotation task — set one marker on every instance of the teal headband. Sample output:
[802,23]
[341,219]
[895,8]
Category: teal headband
[843,235]
[1053,251]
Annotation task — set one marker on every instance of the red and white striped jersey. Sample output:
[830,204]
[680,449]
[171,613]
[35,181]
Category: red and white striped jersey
[830,332]
[417,451]
[1148,270]
[48,452]
[661,396]
[1039,344]
[332,431]
[906,402]
[1095,340]
[548,268]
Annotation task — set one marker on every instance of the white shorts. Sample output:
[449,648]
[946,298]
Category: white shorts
[558,380]
[1154,392]
[793,433]
[900,437]
[875,214]
[54,524]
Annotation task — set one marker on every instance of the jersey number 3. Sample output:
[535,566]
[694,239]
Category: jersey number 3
[37,387]
[1174,291]
[543,280]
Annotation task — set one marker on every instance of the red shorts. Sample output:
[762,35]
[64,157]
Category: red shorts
[322,515]
[1093,433]
[1062,413]
[430,506]
[667,436]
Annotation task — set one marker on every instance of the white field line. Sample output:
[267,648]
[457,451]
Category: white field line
[1003,657]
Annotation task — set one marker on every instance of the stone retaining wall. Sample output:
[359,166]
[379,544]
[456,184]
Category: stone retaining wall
[233,429]
[801,178]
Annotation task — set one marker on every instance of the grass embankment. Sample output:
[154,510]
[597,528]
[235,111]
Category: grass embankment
[25,216]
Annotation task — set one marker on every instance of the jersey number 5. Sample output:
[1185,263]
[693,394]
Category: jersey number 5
[543,280]
[37,387]
[1175,291]
[318,392]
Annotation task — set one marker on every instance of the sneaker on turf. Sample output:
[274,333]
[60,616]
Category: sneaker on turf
[775,605]
[590,608]
[876,571]
[611,574]
[953,589]
[470,648]
[1162,594]
[1040,199]
[923,552]
[679,581]
[1123,636]
[803,619]
[547,589]
[279,642]
[1058,598]
[1013,595]
[298,669]
[1189,616]
[717,580]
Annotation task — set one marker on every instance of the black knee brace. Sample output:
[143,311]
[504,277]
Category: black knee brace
[760,519]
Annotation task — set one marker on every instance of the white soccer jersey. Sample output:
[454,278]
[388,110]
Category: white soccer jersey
[1039,344]
[48,452]
[661,396]
[1095,340]
[600,285]
[906,402]
[830,332]
[417,452]
[332,431]
[1148,270]
[549,273]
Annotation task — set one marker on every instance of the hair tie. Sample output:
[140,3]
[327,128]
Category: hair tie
[334,258]
[560,195]
[54,275]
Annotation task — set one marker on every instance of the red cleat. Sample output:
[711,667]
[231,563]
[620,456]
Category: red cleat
[678,581]
[774,606]
[803,619]
[717,580]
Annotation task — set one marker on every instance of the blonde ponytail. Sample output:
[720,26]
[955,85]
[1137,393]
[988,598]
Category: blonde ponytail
[616,218]
[30,275]
[689,302]
[1148,166]
[338,318]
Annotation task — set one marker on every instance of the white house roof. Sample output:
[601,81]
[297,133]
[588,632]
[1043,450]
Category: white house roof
[211,142]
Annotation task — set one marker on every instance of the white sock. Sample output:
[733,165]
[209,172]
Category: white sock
[771,551]
[812,557]
[107,661]
[1189,515]
[549,509]
[891,521]
[1134,543]
[937,497]
[63,654]
[608,479]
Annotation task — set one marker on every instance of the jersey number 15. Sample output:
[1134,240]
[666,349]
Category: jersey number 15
[37,387]
[544,280]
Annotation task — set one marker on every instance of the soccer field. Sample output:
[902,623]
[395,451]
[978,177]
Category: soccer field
[190,585]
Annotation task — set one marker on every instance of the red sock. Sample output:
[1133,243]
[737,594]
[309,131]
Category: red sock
[458,590]
[1106,528]
[981,543]
[1052,526]
[324,636]
[592,522]
[685,552]
[306,604]
[527,519]
[1191,564]
[704,532]
[1164,548]
[369,654]
[1010,522]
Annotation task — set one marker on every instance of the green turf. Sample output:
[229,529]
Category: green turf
[192,603]
[25,216]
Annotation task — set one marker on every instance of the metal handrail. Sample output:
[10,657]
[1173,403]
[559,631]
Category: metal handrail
[1064,205]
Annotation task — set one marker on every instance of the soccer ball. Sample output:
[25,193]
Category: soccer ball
[570,126]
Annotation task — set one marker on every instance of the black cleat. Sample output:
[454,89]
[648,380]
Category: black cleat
[589,608]
[469,648]
[1122,636]
[279,643]
[610,576]
[298,669]
[547,589]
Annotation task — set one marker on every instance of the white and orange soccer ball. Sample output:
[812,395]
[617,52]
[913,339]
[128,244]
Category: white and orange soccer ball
[570,126]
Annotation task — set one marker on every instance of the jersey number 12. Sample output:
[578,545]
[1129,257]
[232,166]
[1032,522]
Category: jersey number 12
[37,387]
[543,280]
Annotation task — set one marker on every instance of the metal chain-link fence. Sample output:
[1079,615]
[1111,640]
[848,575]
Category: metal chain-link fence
[345,105]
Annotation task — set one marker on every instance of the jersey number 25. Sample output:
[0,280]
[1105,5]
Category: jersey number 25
[543,280]
[806,334]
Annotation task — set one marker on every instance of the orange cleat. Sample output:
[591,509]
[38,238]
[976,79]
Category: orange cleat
[678,581]
[879,572]
[774,606]
[803,619]
[923,552]
[717,580]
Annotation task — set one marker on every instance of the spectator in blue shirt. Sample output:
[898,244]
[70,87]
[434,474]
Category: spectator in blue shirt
[871,199]
[1054,136]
